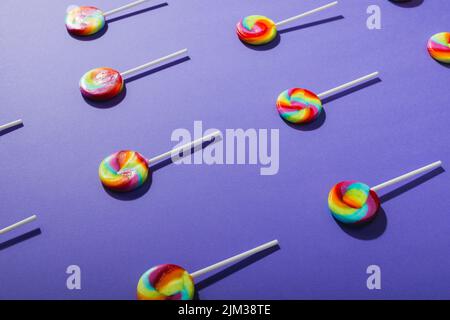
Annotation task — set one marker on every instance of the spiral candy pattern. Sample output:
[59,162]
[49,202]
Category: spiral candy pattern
[124,171]
[353,202]
[101,84]
[165,282]
[439,47]
[84,21]
[299,105]
[256,30]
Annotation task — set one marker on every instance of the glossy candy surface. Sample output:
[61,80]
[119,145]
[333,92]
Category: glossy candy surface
[84,21]
[299,105]
[101,84]
[353,202]
[165,282]
[124,171]
[439,47]
[256,30]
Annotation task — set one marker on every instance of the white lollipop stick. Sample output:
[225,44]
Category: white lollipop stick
[348,85]
[154,62]
[234,259]
[125,7]
[11,124]
[18,224]
[186,146]
[407,176]
[278,24]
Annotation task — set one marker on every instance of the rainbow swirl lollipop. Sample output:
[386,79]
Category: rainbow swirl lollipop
[299,105]
[101,84]
[172,282]
[124,171]
[165,282]
[259,30]
[127,170]
[256,30]
[353,202]
[439,47]
[106,83]
[84,21]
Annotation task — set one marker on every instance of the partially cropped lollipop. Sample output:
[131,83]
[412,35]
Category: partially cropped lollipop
[439,47]
[11,125]
[354,202]
[105,83]
[259,30]
[127,170]
[18,224]
[299,105]
[29,219]
[172,282]
[88,20]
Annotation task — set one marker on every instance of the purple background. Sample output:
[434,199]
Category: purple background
[196,215]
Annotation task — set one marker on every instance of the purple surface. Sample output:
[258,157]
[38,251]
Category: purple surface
[196,215]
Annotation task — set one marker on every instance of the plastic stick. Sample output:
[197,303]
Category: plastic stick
[154,62]
[122,8]
[234,259]
[407,176]
[186,146]
[18,224]
[286,21]
[11,124]
[348,85]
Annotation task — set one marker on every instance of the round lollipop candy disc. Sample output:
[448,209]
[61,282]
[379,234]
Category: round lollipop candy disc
[353,202]
[101,84]
[439,47]
[256,30]
[124,171]
[84,21]
[165,282]
[299,105]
